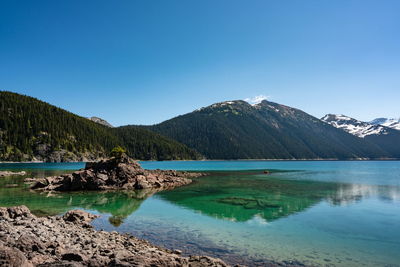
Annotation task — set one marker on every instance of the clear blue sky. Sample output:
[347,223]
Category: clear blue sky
[141,62]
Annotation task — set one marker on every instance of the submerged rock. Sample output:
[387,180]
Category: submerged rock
[115,173]
[27,240]
[79,216]
[9,173]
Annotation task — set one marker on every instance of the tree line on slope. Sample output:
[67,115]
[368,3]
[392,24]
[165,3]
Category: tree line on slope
[31,129]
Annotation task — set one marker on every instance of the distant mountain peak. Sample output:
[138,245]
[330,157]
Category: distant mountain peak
[353,126]
[391,123]
[330,117]
[101,121]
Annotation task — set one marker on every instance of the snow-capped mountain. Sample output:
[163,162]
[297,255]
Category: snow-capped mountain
[391,123]
[386,138]
[353,126]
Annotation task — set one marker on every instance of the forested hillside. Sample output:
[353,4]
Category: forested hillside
[238,130]
[145,144]
[31,129]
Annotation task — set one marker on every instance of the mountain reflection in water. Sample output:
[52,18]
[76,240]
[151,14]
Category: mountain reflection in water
[234,196]
[243,197]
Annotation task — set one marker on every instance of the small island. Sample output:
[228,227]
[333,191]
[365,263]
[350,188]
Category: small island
[117,172]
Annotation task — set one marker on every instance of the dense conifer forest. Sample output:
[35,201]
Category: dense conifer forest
[31,129]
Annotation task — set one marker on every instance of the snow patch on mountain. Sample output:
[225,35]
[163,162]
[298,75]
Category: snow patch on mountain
[274,108]
[222,104]
[391,123]
[228,104]
[353,126]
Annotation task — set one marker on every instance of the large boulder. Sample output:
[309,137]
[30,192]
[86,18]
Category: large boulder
[79,216]
[12,257]
[14,212]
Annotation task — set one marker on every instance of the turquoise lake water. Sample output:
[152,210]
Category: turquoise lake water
[324,213]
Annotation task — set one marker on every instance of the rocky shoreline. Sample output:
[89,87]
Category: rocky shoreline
[115,173]
[70,240]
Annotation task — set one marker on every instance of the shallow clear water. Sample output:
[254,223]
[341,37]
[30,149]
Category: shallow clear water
[327,213]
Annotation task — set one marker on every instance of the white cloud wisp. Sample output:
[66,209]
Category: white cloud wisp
[256,100]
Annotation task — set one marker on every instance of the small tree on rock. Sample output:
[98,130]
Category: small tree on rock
[117,152]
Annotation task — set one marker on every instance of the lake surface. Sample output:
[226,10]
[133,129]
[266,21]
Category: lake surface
[325,213]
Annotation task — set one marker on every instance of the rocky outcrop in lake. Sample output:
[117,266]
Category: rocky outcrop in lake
[115,173]
[70,240]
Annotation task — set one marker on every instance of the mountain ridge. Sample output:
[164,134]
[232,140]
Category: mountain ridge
[388,139]
[267,130]
[31,129]
[354,126]
[391,123]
